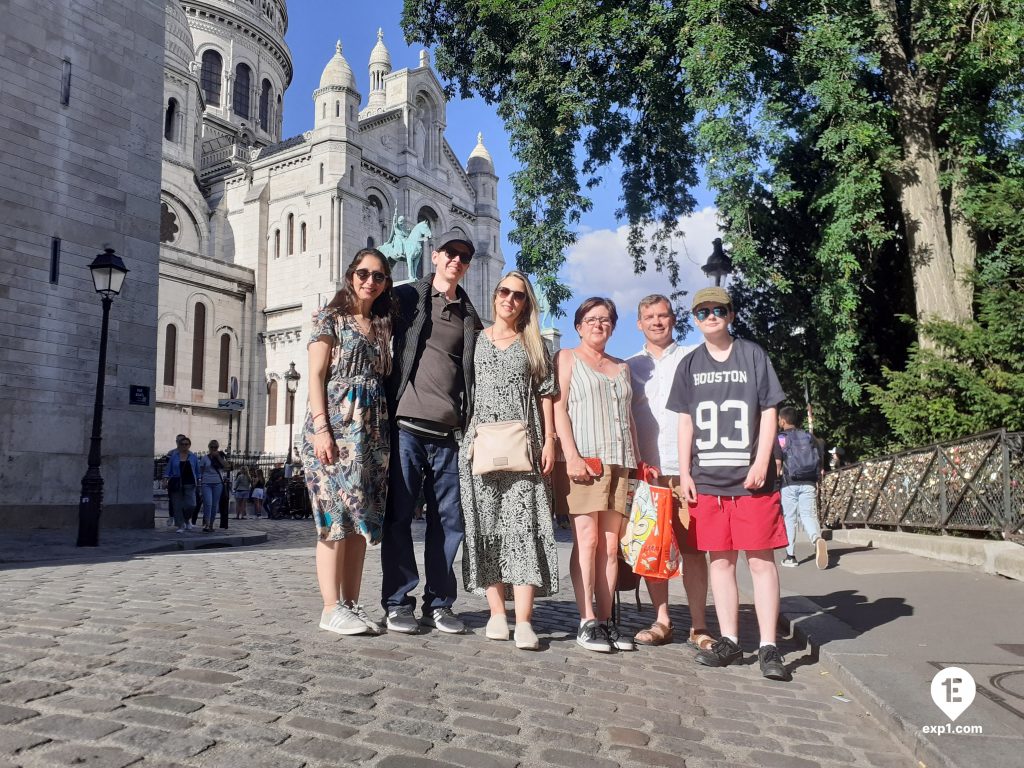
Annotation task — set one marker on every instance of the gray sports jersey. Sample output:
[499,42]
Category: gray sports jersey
[725,401]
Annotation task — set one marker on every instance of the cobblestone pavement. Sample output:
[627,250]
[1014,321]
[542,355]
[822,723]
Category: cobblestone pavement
[213,658]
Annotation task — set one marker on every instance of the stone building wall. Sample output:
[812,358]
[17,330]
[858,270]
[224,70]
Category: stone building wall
[87,172]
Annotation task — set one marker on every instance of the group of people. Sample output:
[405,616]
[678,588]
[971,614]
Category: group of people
[193,483]
[408,391]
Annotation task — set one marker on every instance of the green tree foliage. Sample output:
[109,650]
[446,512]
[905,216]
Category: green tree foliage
[971,377]
[900,106]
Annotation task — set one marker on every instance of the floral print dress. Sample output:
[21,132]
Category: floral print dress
[349,495]
[509,537]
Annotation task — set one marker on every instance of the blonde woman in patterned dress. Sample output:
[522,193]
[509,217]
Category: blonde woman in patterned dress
[346,436]
[509,545]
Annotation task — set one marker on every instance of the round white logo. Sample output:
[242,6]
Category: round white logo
[953,691]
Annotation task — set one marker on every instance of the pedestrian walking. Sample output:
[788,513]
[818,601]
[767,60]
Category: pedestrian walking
[181,477]
[595,435]
[346,436]
[726,394]
[802,468]
[242,488]
[259,486]
[509,549]
[430,391]
[211,475]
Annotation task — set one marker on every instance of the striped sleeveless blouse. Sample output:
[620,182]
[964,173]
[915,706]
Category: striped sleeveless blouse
[599,408]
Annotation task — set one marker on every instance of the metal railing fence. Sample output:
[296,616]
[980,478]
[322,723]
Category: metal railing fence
[974,484]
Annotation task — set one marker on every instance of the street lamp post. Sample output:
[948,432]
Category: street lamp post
[108,273]
[719,264]
[291,381]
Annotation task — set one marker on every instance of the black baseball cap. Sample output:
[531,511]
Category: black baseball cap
[455,236]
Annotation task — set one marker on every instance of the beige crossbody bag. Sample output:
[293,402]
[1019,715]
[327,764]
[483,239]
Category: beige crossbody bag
[501,446]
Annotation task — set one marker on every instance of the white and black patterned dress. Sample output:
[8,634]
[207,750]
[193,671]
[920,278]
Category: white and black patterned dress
[509,538]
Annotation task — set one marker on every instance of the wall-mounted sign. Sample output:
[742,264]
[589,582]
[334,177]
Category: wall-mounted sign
[138,394]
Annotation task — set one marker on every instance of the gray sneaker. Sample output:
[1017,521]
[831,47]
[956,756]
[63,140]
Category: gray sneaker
[401,619]
[342,621]
[359,612]
[443,620]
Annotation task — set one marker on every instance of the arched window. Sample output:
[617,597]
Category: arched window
[369,242]
[277,243]
[337,109]
[302,237]
[265,106]
[290,233]
[240,100]
[198,346]
[271,403]
[170,355]
[381,223]
[170,119]
[225,362]
[323,110]
[212,75]
[321,173]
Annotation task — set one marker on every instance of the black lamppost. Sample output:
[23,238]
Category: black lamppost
[108,273]
[719,264]
[291,381]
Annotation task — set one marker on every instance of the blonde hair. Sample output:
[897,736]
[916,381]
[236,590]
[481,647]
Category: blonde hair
[528,324]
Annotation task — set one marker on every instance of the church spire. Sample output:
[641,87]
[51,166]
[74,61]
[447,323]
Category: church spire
[380,68]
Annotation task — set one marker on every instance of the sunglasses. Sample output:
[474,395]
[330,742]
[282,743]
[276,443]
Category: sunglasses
[464,256]
[518,296]
[365,274]
[704,313]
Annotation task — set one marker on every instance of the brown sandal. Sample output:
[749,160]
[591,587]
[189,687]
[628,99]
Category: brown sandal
[700,639]
[656,634]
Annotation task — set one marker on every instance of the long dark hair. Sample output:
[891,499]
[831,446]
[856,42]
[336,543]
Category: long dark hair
[382,311]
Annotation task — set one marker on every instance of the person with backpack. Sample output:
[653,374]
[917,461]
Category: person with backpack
[801,470]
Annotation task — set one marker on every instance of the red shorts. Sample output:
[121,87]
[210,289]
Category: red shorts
[737,523]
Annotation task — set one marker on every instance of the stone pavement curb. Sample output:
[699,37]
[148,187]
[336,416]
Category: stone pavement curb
[210,542]
[806,622]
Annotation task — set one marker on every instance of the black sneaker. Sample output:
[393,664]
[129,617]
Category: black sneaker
[616,639]
[773,665]
[723,653]
[789,561]
[593,637]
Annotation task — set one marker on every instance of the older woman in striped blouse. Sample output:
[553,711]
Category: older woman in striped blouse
[597,449]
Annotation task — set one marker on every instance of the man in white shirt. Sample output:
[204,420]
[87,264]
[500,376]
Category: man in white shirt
[653,371]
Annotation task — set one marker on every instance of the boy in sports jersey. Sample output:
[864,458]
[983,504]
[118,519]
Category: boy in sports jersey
[726,394]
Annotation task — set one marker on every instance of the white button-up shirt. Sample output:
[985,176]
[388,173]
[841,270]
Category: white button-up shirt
[657,428]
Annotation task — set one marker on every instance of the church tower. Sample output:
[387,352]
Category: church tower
[336,101]
[480,169]
[380,67]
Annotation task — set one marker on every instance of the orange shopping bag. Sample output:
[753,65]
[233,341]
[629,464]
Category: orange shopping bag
[649,543]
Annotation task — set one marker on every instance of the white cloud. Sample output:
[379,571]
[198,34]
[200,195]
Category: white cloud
[598,264]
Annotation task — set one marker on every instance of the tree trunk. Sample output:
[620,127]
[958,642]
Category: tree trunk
[939,270]
[939,287]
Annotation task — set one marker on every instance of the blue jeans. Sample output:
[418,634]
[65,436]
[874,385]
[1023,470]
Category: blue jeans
[800,500]
[183,503]
[211,501]
[433,466]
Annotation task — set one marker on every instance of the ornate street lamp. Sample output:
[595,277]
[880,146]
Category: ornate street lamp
[291,381]
[108,273]
[719,264]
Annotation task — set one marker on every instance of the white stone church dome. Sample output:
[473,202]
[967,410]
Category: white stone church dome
[179,49]
[338,72]
[480,159]
[380,55]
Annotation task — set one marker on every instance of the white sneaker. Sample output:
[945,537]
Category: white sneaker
[342,621]
[525,637]
[359,612]
[180,530]
[821,554]
[497,628]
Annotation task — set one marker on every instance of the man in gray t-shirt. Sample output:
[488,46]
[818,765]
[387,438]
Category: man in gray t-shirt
[430,392]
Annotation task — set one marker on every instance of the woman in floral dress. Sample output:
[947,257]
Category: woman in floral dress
[509,539]
[346,438]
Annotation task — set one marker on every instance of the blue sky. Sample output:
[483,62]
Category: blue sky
[595,266]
